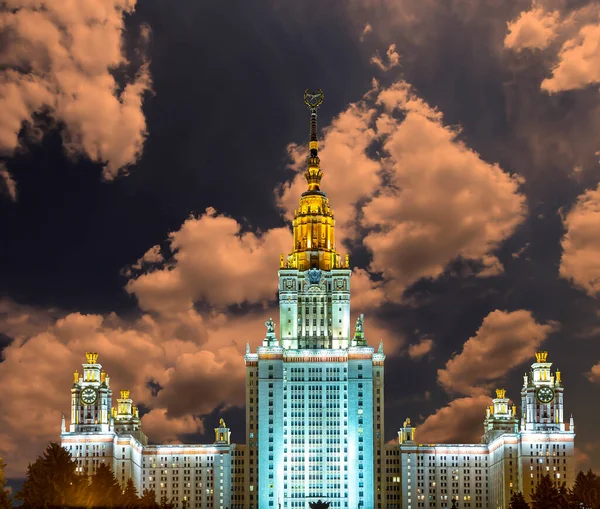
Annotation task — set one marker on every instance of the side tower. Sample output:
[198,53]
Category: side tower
[99,433]
[91,398]
[314,396]
[542,397]
[501,426]
[546,440]
[500,417]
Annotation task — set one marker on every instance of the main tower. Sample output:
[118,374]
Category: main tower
[314,396]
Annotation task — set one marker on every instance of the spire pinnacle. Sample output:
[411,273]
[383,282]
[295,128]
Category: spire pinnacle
[313,173]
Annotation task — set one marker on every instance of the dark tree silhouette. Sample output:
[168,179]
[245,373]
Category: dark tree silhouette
[454,505]
[5,501]
[166,504]
[52,481]
[586,491]
[148,500]
[517,501]
[319,505]
[546,495]
[104,489]
[130,498]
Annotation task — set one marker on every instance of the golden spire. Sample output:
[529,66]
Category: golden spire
[313,173]
[500,393]
[541,356]
[125,394]
[313,223]
[91,357]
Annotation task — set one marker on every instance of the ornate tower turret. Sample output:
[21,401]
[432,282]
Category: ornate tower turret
[126,418]
[542,397]
[407,432]
[91,398]
[222,433]
[314,279]
[500,417]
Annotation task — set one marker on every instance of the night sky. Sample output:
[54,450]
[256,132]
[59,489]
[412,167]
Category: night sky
[152,153]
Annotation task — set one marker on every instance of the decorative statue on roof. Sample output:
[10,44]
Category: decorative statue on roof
[359,325]
[270,326]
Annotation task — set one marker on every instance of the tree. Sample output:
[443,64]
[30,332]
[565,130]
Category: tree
[165,503]
[319,505]
[5,501]
[148,500]
[104,490]
[517,501]
[586,491]
[52,481]
[130,498]
[454,506]
[546,495]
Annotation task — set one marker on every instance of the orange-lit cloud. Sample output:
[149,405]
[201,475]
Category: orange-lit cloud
[212,261]
[574,38]
[59,58]
[504,341]
[580,261]
[594,373]
[423,202]
[533,29]
[442,201]
[184,354]
[420,349]
[166,430]
[393,59]
[459,422]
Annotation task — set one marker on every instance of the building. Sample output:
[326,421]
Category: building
[192,476]
[314,402]
[315,411]
[513,455]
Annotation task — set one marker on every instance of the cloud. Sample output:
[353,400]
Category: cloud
[167,430]
[367,295]
[420,349]
[60,59]
[460,422]
[594,373]
[578,62]
[366,31]
[580,260]
[184,354]
[533,29]
[421,201]
[503,342]
[8,185]
[213,260]
[571,37]
[442,200]
[392,57]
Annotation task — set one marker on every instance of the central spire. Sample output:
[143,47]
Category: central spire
[313,223]
[313,173]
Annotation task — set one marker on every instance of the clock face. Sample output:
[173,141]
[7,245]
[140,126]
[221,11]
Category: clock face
[545,394]
[89,395]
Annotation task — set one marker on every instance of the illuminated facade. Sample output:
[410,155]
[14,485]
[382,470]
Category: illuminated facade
[315,411]
[514,454]
[315,394]
[192,476]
